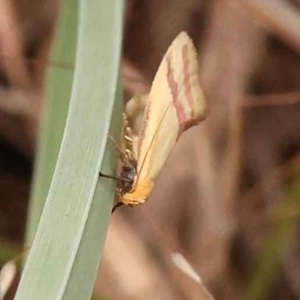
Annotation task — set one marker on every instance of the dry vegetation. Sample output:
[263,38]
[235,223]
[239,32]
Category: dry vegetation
[227,190]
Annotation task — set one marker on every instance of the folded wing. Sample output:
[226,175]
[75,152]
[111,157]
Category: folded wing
[175,103]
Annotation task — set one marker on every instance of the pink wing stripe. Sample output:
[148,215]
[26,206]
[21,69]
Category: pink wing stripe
[174,91]
[184,117]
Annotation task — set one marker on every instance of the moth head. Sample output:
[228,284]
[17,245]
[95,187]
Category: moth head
[140,193]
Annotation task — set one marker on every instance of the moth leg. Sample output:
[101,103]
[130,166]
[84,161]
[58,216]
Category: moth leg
[118,191]
[108,176]
[119,203]
[129,134]
[116,206]
[128,139]
[114,177]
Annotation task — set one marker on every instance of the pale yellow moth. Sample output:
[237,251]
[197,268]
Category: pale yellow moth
[175,103]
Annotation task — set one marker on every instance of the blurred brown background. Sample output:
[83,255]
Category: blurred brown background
[226,198]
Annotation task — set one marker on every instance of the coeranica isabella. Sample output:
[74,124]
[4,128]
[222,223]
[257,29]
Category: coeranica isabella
[174,104]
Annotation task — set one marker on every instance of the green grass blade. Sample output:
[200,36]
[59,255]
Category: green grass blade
[274,248]
[59,83]
[90,251]
[64,257]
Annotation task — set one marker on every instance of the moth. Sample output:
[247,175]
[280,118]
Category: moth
[174,104]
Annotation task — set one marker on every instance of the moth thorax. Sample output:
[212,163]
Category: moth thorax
[128,175]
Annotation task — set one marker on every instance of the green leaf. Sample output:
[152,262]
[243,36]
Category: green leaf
[65,254]
[59,83]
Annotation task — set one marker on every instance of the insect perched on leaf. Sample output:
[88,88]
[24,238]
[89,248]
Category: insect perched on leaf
[174,104]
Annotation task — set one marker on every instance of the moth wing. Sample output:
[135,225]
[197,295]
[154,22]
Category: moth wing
[175,103]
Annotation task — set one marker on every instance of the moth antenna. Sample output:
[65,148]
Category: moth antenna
[122,155]
[115,144]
